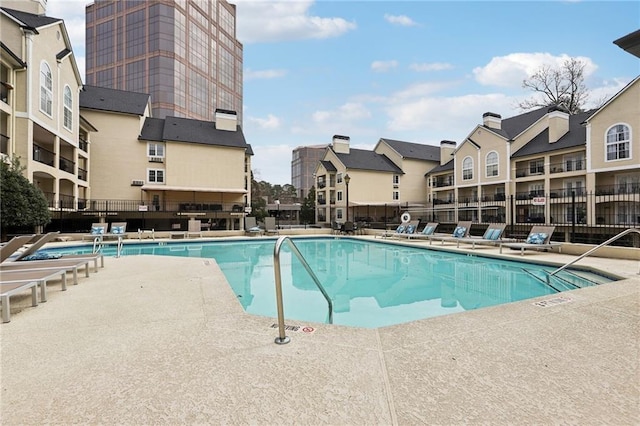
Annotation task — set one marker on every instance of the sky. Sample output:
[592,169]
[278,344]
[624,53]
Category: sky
[416,71]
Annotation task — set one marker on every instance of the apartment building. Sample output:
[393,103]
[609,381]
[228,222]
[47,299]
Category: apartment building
[545,166]
[372,186]
[183,53]
[164,173]
[39,93]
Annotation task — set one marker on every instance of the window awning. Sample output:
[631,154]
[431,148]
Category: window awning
[192,189]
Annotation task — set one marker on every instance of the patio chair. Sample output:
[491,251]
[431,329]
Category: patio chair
[409,230]
[491,237]
[70,265]
[539,238]
[13,245]
[427,231]
[270,226]
[348,228]
[40,277]
[461,231]
[251,227]
[117,230]
[8,290]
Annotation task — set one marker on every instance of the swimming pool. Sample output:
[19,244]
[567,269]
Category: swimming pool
[371,284]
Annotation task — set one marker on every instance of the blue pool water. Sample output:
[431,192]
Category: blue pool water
[371,284]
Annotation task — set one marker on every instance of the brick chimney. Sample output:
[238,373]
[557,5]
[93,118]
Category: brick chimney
[226,120]
[558,123]
[492,120]
[341,144]
[446,151]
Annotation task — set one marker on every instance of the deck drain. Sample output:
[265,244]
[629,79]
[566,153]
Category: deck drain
[553,302]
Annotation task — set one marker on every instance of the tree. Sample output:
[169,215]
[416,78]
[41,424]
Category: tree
[563,86]
[22,204]
[308,208]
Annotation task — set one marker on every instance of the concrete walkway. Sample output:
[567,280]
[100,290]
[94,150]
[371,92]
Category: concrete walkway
[163,340]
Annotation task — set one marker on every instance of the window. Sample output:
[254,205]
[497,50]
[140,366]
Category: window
[339,177]
[338,214]
[339,196]
[576,186]
[46,89]
[396,180]
[155,149]
[492,164]
[536,167]
[156,176]
[467,168]
[396,195]
[68,108]
[618,146]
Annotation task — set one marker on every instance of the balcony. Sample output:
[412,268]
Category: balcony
[82,174]
[83,145]
[67,165]
[623,188]
[4,144]
[322,201]
[4,91]
[567,166]
[322,184]
[44,156]
[445,181]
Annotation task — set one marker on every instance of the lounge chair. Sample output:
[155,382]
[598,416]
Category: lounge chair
[539,238]
[40,277]
[30,254]
[97,230]
[399,230]
[13,245]
[251,227]
[117,230]
[270,226]
[461,231]
[9,289]
[70,265]
[491,237]
[428,230]
[409,230]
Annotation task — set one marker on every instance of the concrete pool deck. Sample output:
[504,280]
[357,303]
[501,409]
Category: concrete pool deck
[162,340]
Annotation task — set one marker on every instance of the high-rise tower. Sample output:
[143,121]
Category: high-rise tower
[183,53]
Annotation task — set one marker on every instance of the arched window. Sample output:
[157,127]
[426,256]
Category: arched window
[618,142]
[68,108]
[46,89]
[467,168]
[492,164]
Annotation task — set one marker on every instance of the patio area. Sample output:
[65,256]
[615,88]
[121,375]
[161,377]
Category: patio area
[163,340]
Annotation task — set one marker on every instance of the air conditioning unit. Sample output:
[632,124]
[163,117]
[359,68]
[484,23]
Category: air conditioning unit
[156,159]
[137,182]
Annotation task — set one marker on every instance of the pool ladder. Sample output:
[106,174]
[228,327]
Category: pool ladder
[282,337]
[98,245]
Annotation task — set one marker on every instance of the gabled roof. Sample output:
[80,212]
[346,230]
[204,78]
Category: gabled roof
[328,166]
[630,43]
[63,54]
[29,20]
[442,168]
[191,131]
[112,100]
[576,136]
[367,160]
[614,97]
[513,126]
[414,150]
[18,61]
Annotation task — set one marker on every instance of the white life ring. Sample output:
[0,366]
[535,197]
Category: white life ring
[406,217]
[405,260]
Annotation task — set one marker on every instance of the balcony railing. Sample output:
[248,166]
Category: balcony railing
[82,174]
[567,166]
[322,184]
[83,144]
[43,155]
[322,201]
[4,92]
[530,171]
[4,144]
[67,165]
[440,182]
[623,188]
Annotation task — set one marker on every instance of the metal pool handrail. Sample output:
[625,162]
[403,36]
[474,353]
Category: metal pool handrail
[282,337]
[610,240]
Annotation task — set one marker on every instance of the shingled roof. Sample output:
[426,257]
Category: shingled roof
[328,166]
[414,150]
[113,100]
[30,20]
[367,160]
[576,136]
[191,131]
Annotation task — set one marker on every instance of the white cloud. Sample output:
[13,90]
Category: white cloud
[417,90]
[261,21]
[402,20]
[384,66]
[435,66]
[349,112]
[512,69]
[604,92]
[270,123]
[250,74]
[272,163]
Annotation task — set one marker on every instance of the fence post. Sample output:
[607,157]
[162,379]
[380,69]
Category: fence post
[512,207]
[573,216]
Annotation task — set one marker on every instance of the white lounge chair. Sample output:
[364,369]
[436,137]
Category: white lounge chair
[539,238]
[491,237]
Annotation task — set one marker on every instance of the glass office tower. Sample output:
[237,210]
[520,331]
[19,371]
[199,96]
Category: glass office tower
[184,53]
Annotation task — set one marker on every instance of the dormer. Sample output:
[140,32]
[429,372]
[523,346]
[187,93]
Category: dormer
[558,123]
